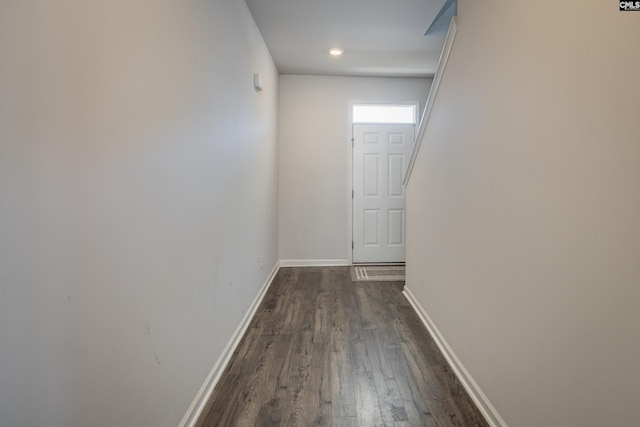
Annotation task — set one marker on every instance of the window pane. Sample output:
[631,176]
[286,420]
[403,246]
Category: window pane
[384,114]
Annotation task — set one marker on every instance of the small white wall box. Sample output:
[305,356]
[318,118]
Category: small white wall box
[257,82]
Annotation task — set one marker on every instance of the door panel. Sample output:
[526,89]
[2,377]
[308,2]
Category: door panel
[396,175]
[371,175]
[380,156]
[371,227]
[396,227]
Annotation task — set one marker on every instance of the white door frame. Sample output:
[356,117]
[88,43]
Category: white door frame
[350,162]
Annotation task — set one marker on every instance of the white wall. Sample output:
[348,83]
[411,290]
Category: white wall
[523,208]
[138,183]
[313,151]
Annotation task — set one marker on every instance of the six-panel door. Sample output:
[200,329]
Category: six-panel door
[380,156]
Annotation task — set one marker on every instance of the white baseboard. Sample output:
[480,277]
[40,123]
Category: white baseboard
[199,402]
[479,398]
[313,262]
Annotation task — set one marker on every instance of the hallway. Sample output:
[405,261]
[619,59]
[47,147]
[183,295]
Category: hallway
[323,350]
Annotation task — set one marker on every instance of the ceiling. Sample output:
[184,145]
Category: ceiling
[379,37]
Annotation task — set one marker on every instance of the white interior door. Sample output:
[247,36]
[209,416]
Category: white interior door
[380,156]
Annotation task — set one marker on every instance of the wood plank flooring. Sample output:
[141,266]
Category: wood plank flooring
[325,351]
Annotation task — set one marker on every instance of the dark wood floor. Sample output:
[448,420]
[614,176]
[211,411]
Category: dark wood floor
[325,351]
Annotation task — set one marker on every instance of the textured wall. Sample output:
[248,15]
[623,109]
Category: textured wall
[314,157]
[523,207]
[138,183]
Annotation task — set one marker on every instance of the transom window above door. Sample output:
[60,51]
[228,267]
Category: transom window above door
[384,113]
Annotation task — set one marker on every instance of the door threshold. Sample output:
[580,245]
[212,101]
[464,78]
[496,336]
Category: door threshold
[389,264]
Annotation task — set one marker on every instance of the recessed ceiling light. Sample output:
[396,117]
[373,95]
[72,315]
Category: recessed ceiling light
[336,51]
